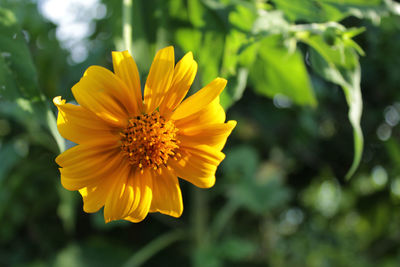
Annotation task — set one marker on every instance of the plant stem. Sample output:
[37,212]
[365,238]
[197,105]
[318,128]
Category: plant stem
[127,24]
[199,218]
[153,247]
[223,217]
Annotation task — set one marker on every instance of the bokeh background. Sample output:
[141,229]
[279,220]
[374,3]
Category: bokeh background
[281,196]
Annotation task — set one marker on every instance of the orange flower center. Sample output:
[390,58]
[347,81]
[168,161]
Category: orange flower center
[149,140]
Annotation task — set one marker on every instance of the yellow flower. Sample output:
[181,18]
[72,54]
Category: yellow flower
[131,150]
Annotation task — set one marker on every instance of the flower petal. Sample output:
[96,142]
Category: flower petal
[84,164]
[89,150]
[78,124]
[126,69]
[122,196]
[94,196]
[210,114]
[197,165]
[143,183]
[167,196]
[214,135]
[78,176]
[103,93]
[200,99]
[184,74]
[159,78]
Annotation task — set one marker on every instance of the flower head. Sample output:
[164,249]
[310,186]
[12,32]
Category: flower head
[131,149]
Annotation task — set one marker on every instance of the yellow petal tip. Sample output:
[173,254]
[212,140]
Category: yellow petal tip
[58,101]
[232,123]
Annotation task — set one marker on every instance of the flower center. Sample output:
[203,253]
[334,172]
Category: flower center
[149,140]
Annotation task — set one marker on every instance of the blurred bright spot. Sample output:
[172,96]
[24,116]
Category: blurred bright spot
[74,23]
[384,132]
[294,216]
[282,101]
[395,187]
[290,220]
[379,176]
[392,116]
[364,185]
[328,198]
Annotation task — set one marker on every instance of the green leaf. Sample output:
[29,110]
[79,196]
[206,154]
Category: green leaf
[332,10]
[271,22]
[210,56]
[35,116]
[196,13]
[207,48]
[235,88]
[307,10]
[362,9]
[334,57]
[16,57]
[279,71]
[20,97]
[349,80]
[243,17]
[331,47]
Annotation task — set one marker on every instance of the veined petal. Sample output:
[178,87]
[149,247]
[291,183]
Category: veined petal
[167,196]
[103,93]
[200,99]
[88,151]
[78,124]
[91,171]
[83,164]
[119,202]
[99,185]
[214,135]
[206,153]
[94,196]
[211,114]
[184,74]
[197,165]
[159,78]
[143,183]
[125,68]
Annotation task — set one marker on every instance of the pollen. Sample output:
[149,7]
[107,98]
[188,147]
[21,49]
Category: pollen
[149,141]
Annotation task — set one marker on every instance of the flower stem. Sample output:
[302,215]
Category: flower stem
[199,218]
[223,217]
[127,24]
[153,247]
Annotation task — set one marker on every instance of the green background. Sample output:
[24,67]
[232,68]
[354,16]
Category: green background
[306,181]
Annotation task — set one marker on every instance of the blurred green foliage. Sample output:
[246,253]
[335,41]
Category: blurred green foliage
[295,82]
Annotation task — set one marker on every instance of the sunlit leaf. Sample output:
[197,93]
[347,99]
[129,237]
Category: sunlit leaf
[332,10]
[235,88]
[334,57]
[307,10]
[349,80]
[278,70]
